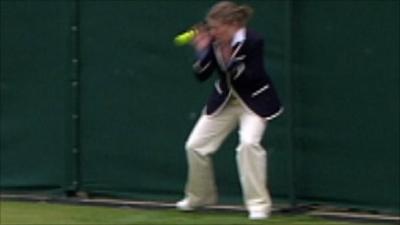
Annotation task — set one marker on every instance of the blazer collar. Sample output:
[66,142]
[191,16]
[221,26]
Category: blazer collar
[237,43]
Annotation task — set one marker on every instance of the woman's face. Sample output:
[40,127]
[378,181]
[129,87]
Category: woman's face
[221,32]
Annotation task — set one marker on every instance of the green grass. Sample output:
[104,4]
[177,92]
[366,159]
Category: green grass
[55,214]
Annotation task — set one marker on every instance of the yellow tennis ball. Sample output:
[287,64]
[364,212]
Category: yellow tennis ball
[185,38]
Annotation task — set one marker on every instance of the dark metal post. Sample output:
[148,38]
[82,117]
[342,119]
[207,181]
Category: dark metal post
[75,90]
[290,105]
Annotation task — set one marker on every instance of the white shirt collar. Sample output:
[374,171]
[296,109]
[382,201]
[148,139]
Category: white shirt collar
[239,36]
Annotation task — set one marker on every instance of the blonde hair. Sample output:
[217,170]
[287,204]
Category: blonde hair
[229,12]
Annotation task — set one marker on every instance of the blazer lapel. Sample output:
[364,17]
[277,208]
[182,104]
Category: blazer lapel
[220,59]
[235,50]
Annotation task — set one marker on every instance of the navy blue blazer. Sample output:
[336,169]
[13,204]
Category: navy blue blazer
[244,77]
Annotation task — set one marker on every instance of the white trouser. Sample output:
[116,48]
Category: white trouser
[205,139]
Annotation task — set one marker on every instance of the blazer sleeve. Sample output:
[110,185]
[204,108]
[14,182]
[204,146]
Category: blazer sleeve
[205,64]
